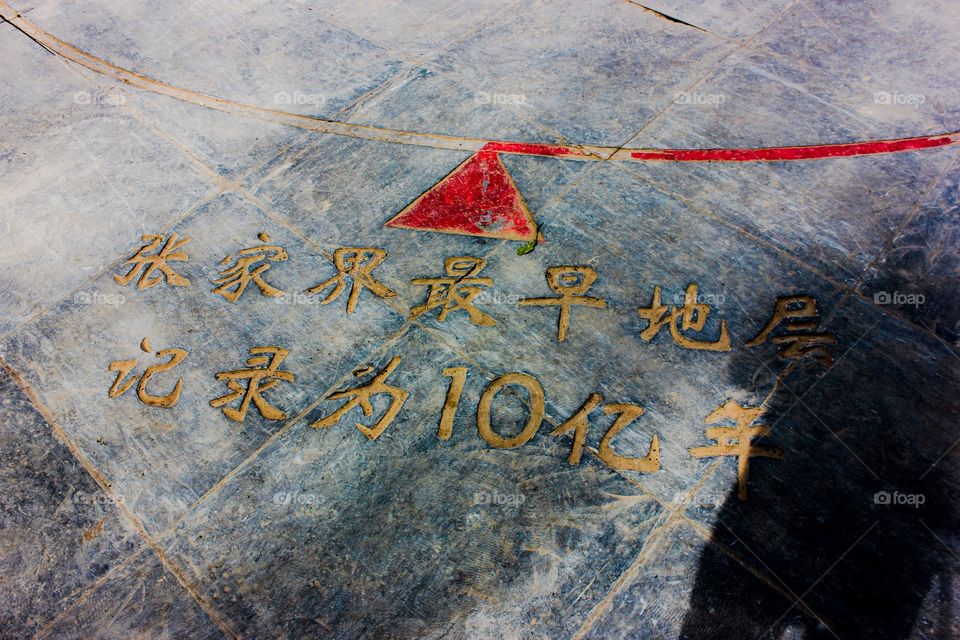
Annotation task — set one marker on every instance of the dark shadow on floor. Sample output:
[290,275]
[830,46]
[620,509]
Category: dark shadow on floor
[864,567]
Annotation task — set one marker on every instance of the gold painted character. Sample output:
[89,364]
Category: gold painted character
[264,374]
[150,263]
[456,291]
[691,316]
[239,275]
[570,283]
[626,413]
[799,339]
[360,397]
[737,440]
[123,368]
[357,263]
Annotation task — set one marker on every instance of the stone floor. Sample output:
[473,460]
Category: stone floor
[466,516]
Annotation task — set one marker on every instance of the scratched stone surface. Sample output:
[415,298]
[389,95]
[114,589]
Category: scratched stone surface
[308,126]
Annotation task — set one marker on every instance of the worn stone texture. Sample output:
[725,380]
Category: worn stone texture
[123,520]
[60,532]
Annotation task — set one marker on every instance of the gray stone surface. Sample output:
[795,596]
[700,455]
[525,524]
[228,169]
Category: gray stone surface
[124,520]
[61,533]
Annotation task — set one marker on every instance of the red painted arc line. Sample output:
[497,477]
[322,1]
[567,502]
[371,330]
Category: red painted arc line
[461,143]
[809,152]
[759,154]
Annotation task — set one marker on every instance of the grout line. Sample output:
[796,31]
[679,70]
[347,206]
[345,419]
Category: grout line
[440,141]
[169,533]
[83,593]
[911,215]
[646,551]
[848,292]
[205,199]
[765,244]
[107,488]
[676,514]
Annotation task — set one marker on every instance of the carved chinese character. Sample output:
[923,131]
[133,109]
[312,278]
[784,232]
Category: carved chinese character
[360,397]
[456,291]
[357,263]
[150,263]
[626,413]
[123,368]
[691,316]
[246,269]
[262,375]
[799,338]
[737,440]
[570,283]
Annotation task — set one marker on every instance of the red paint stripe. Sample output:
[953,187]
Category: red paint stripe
[531,149]
[793,153]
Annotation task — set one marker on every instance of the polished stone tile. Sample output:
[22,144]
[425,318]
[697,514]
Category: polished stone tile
[142,600]
[281,530]
[26,105]
[596,75]
[435,101]
[163,459]
[636,237]
[867,475]
[229,145]
[341,192]
[59,531]
[416,27]
[186,42]
[729,18]
[663,602]
[877,58]
[917,275]
[759,99]
[305,538]
[834,215]
[74,194]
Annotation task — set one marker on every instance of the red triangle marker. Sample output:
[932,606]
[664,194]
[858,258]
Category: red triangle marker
[478,198]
